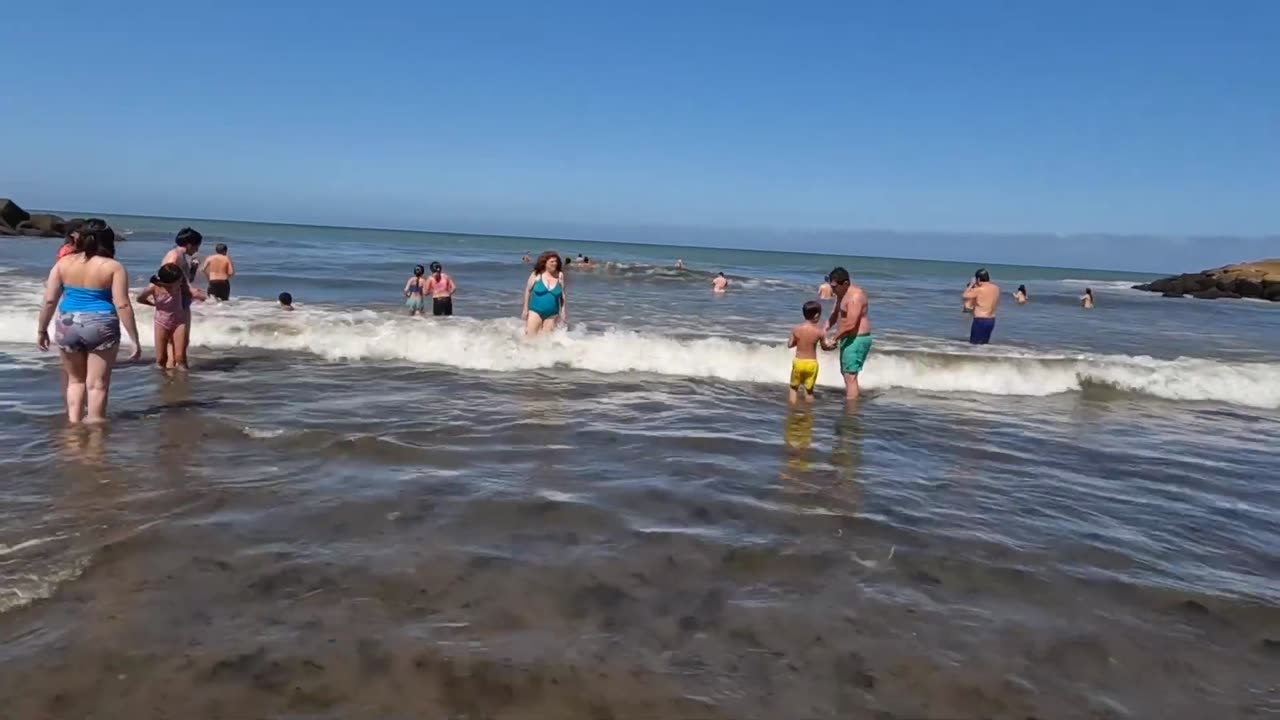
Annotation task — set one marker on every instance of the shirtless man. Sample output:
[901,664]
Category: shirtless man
[850,317]
[824,290]
[720,283]
[985,296]
[219,269]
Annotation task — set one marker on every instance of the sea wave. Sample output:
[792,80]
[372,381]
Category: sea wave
[341,334]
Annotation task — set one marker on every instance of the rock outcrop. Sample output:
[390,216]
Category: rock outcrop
[16,221]
[1259,280]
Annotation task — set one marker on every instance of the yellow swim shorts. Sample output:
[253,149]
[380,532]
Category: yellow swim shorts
[804,372]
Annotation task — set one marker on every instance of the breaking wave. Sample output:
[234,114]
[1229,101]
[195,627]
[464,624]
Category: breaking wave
[496,345]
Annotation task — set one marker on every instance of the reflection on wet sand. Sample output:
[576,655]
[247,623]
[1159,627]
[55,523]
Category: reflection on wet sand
[847,458]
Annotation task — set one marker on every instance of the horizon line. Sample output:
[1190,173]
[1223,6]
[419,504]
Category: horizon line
[1010,235]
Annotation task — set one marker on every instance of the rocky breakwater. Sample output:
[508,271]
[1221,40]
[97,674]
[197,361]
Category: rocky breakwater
[16,221]
[1259,280]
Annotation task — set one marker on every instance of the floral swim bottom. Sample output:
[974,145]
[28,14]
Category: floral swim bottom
[87,331]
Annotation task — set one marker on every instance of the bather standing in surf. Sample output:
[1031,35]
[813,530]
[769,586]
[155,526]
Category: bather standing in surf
[413,291]
[850,318]
[544,296]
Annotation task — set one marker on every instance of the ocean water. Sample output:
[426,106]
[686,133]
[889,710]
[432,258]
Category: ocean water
[346,512]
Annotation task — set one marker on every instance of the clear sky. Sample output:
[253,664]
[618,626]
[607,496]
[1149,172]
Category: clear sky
[745,119]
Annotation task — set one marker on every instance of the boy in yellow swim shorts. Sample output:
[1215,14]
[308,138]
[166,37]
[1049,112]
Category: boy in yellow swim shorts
[806,338]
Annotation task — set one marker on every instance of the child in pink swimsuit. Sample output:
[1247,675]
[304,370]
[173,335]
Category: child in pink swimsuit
[165,294]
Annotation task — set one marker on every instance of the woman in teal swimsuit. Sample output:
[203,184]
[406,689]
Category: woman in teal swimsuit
[544,296]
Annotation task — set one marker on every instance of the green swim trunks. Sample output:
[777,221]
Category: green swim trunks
[853,353]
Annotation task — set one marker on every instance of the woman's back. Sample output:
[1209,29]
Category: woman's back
[95,273]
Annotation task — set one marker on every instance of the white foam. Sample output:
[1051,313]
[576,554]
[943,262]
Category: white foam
[497,345]
[1102,284]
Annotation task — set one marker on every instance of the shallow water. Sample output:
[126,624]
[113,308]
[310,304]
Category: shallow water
[344,512]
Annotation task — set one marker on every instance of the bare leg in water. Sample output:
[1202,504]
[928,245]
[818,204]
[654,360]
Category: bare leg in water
[98,383]
[74,369]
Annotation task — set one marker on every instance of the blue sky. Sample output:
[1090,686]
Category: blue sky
[745,119]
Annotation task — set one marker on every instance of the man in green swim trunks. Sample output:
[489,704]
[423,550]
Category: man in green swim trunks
[851,320]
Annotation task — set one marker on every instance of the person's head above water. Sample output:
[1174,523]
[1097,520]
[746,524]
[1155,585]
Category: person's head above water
[812,311]
[188,238]
[436,268]
[548,261]
[220,248]
[982,275]
[1022,289]
[286,299]
[168,274]
[419,271]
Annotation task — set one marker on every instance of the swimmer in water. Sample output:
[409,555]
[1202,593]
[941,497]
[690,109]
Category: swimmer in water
[219,269]
[526,259]
[720,284]
[413,291]
[1086,300]
[286,301]
[441,287]
[824,290]
[852,321]
[172,317]
[1020,296]
[186,255]
[985,297]
[544,296]
[806,338]
[679,264]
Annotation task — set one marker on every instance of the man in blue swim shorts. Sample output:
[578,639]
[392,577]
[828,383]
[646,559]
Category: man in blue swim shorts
[985,297]
[852,322]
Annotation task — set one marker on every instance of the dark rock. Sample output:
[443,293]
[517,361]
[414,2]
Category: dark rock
[12,215]
[46,225]
[1244,287]
[1248,280]
[1215,294]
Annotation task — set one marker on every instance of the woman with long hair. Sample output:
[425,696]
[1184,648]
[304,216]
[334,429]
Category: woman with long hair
[94,291]
[544,295]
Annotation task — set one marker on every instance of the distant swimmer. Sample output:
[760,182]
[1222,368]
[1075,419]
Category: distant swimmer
[172,317]
[806,338]
[985,296]
[824,290]
[852,321]
[441,287]
[1020,296]
[413,291]
[286,301]
[720,283]
[679,264]
[544,296]
[219,269]
[526,259]
[1086,300]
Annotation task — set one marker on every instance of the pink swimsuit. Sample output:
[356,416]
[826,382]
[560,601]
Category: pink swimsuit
[170,313]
